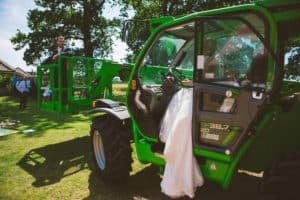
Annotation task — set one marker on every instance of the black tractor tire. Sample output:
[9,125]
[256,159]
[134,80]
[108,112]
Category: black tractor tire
[111,149]
[281,180]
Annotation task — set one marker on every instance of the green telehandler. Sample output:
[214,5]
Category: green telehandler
[245,102]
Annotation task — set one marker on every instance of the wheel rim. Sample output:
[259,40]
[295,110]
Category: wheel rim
[99,150]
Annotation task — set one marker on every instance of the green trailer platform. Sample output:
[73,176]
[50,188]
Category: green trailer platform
[74,82]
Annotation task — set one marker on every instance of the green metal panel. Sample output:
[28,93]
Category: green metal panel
[215,170]
[220,167]
[287,15]
[275,138]
[143,149]
[154,23]
[45,79]
[277,3]
[60,89]
[213,155]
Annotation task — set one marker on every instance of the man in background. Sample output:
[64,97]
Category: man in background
[60,50]
[14,80]
[23,89]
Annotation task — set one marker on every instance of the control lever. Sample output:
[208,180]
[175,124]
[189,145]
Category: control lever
[258,90]
[139,103]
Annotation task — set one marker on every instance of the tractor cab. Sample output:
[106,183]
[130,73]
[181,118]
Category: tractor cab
[231,56]
[227,59]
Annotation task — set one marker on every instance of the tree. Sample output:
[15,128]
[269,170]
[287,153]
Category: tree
[76,20]
[147,9]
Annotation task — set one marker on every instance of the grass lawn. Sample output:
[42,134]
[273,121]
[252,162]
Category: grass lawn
[55,162]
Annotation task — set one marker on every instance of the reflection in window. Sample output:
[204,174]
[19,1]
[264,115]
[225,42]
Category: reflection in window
[163,51]
[230,52]
[172,48]
[292,63]
[188,58]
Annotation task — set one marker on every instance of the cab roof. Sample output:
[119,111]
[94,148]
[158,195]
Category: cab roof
[276,3]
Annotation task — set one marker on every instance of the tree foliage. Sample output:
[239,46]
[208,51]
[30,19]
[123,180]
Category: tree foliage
[147,9]
[79,21]
[292,68]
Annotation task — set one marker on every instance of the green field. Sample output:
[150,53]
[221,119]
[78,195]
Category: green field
[55,162]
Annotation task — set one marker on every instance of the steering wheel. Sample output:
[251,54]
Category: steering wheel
[173,76]
[233,75]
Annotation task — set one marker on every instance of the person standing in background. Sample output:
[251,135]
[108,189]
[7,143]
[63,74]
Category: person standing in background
[14,80]
[23,89]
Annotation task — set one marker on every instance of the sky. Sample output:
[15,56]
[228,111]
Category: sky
[13,15]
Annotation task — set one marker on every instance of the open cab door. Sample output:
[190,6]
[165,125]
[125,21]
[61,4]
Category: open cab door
[234,80]
[235,76]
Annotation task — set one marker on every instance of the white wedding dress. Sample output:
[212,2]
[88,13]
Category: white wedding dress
[182,174]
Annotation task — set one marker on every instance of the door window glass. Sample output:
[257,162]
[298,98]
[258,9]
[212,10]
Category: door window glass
[292,60]
[232,52]
[172,48]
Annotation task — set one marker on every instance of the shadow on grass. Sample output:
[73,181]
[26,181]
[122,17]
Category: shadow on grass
[33,118]
[50,164]
[146,185]
[143,185]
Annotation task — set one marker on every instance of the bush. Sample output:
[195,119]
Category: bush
[5,85]
[4,80]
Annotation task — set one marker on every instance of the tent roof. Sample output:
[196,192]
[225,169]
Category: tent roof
[5,68]
[21,72]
